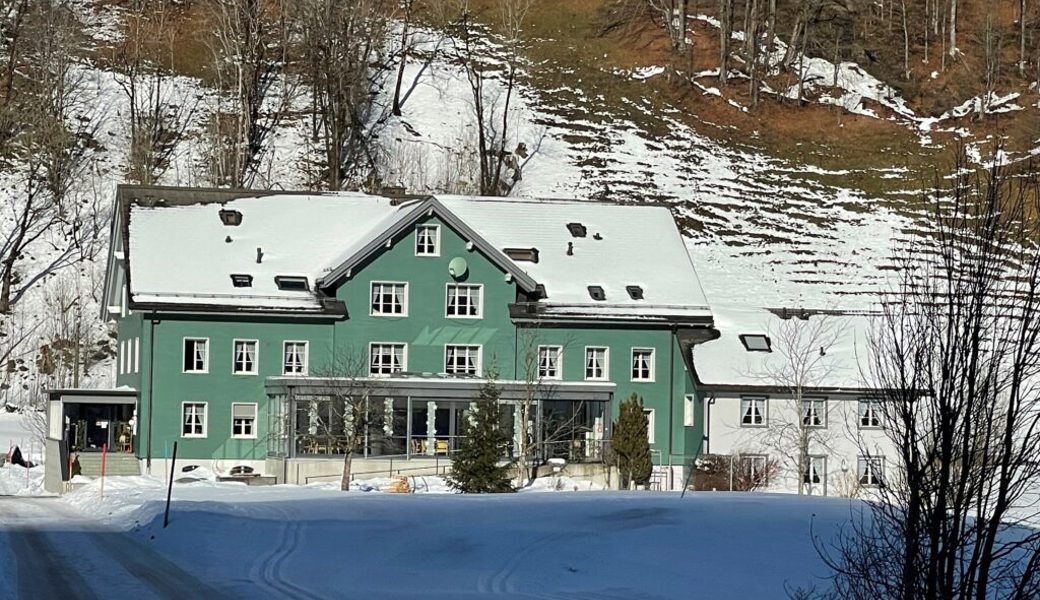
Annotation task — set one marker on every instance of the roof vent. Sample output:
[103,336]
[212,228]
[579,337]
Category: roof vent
[231,218]
[570,248]
[577,229]
[291,284]
[523,254]
[241,280]
[597,236]
[634,291]
[597,293]
[756,342]
[259,255]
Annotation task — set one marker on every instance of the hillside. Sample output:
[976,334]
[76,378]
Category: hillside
[798,198]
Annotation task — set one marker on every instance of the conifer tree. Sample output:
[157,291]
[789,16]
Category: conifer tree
[477,467]
[631,443]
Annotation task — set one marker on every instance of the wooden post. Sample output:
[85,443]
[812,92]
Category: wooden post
[169,489]
[104,455]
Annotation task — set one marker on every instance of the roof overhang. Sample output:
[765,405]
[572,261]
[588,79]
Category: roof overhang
[329,310]
[422,208]
[597,314]
[95,396]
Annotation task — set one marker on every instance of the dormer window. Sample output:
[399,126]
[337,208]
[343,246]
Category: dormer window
[291,284]
[427,240]
[597,293]
[522,254]
[231,218]
[577,230]
[634,292]
[756,342]
[241,280]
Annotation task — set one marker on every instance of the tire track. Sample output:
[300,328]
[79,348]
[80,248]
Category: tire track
[271,569]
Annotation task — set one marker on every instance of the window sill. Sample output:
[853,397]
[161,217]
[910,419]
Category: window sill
[243,437]
[193,436]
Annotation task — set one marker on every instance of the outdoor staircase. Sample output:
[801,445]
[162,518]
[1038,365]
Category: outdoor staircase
[115,464]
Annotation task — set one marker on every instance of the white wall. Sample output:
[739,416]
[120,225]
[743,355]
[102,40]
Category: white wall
[842,441]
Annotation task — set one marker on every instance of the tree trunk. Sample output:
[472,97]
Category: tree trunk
[1022,38]
[344,483]
[725,25]
[953,29]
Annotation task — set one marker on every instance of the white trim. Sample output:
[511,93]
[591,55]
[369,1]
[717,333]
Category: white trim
[689,410]
[404,302]
[256,356]
[205,366]
[606,363]
[436,240]
[306,357]
[137,355]
[256,419]
[559,362]
[404,358]
[480,304]
[205,420]
[480,358]
[649,414]
[653,364]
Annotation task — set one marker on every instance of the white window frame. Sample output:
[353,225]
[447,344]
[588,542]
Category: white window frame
[234,356]
[808,405]
[137,355]
[306,357]
[606,363]
[652,366]
[649,414]
[242,436]
[764,412]
[812,460]
[479,362]
[205,360]
[436,239]
[391,345]
[122,357]
[205,419]
[689,410]
[372,305]
[558,366]
[873,410]
[479,287]
[753,471]
[874,466]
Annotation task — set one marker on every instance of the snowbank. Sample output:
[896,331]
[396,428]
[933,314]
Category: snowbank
[19,481]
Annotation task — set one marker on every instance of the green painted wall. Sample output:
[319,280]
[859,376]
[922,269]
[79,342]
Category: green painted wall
[425,329]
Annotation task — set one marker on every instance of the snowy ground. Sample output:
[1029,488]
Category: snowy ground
[289,541]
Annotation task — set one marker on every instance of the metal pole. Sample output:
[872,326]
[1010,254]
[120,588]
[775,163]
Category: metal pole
[104,453]
[731,472]
[169,489]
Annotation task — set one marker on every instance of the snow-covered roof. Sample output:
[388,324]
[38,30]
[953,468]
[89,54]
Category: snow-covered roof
[808,348]
[181,253]
[184,254]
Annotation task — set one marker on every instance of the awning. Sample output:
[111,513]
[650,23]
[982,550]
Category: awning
[447,388]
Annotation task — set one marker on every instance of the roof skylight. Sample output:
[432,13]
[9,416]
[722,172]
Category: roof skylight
[241,280]
[634,291]
[577,230]
[291,284]
[756,342]
[597,293]
[524,254]
[231,218]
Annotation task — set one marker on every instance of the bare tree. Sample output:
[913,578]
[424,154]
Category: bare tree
[956,357]
[251,52]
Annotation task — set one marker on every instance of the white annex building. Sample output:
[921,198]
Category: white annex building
[779,380]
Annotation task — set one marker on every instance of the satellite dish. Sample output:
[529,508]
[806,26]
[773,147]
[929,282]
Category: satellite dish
[457,267]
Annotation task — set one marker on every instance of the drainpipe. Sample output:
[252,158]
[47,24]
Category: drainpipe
[151,379]
[671,387]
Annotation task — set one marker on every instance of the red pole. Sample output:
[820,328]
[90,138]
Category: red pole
[104,454]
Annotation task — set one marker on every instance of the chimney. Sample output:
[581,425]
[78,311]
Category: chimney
[570,248]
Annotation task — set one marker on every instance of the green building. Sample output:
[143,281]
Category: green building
[246,319]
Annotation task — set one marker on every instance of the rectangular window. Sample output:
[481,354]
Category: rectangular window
[386,359]
[389,299]
[122,357]
[427,240]
[464,301]
[642,364]
[244,359]
[461,360]
[754,469]
[550,360]
[193,423]
[816,472]
[871,471]
[243,420]
[196,355]
[814,412]
[649,414]
[137,355]
[869,414]
[752,412]
[596,364]
[689,410]
[294,358]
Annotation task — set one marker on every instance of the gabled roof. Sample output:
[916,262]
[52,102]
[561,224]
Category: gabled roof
[406,216]
[181,255]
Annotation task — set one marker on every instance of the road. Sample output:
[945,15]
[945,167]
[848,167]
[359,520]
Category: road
[53,552]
